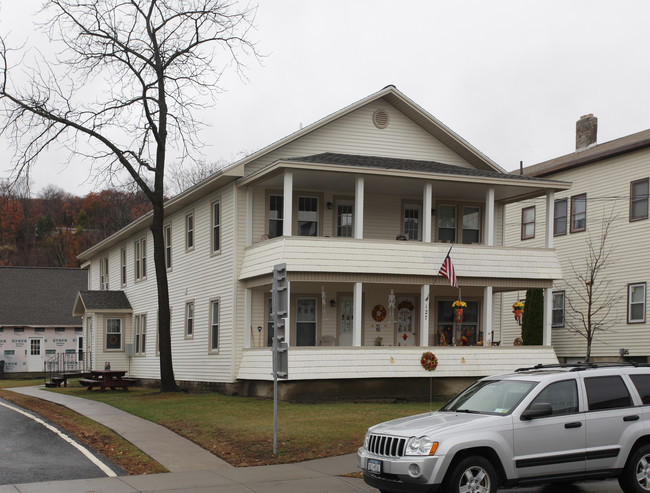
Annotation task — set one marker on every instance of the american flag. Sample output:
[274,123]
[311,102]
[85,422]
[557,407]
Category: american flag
[447,270]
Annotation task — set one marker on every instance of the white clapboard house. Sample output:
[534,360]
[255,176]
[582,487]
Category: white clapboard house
[610,183]
[362,207]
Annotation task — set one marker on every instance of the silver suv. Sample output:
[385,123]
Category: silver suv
[550,423]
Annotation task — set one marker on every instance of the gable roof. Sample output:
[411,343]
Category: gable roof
[39,296]
[237,170]
[594,153]
[101,301]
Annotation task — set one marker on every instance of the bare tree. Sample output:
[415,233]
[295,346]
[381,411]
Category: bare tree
[136,72]
[180,178]
[590,296]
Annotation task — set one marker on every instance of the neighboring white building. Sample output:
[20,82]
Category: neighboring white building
[333,201]
[609,179]
[36,325]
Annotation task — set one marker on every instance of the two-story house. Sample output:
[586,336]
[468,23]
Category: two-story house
[610,187]
[362,207]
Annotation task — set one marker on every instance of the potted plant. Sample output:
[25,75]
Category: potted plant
[459,306]
[518,310]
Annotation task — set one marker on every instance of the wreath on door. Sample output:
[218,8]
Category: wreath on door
[378,313]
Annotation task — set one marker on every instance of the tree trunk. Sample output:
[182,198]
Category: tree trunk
[167,380]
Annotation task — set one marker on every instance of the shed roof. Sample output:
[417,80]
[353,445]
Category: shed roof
[39,296]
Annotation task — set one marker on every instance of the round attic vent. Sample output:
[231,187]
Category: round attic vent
[380,118]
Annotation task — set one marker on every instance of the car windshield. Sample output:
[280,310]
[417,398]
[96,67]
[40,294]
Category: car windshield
[490,397]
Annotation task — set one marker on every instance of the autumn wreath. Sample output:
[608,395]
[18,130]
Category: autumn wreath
[379,313]
[429,361]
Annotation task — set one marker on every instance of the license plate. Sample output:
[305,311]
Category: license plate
[374,466]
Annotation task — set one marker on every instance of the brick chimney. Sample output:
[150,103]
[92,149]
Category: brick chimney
[586,131]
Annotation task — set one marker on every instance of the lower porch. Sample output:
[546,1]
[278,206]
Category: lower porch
[383,372]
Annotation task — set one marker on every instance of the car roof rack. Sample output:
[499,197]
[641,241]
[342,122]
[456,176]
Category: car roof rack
[584,366]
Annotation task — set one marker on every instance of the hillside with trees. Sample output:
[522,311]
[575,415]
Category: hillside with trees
[51,229]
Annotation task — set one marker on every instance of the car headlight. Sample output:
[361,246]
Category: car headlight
[420,446]
[366,441]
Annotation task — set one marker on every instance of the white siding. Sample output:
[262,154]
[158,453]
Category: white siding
[607,185]
[395,362]
[356,134]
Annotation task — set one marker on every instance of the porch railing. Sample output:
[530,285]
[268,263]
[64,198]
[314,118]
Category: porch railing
[62,366]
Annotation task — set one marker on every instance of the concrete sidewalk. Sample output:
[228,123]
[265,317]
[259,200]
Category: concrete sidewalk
[193,469]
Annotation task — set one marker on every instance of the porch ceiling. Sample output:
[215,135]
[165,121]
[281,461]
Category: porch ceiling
[342,181]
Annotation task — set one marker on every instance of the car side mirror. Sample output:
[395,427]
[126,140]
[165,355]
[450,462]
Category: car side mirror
[537,411]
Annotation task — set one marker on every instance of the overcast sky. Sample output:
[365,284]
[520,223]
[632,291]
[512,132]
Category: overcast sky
[510,77]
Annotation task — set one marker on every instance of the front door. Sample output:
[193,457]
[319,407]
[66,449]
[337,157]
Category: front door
[35,354]
[346,314]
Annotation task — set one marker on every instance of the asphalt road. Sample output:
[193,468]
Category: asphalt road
[29,453]
[606,486]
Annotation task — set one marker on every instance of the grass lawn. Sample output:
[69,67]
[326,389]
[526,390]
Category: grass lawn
[240,429]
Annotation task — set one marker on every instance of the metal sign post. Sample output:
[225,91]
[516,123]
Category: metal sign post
[280,306]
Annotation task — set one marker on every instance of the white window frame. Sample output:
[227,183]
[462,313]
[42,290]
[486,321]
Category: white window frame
[305,216]
[556,309]
[214,325]
[168,247]
[276,215]
[556,230]
[479,211]
[528,223]
[639,199]
[216,226]
[190,318]
[140,335]
[347,228]
[189,231]
[119,333]
[140,256]
[631,288]
[454,217]
[579,215]
[103,274]
[412,206]
[123,271]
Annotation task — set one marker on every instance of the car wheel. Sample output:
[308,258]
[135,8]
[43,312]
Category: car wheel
[473,474]
[636,475]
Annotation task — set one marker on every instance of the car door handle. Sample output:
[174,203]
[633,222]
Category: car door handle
[631,418]
[575,424]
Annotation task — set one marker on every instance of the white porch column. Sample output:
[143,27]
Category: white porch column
[548,292]
[424,313]
[356,324]
[548,316]
[248,317]
[249,216]
[426,209]
[358,207]
[550,213]
[488,322]
[489,217]
[287,219]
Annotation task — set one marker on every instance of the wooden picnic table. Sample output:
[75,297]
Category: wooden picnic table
[106,379]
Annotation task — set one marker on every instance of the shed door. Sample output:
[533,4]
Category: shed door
[35,354]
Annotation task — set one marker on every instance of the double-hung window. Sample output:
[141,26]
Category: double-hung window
[140,250]
[412,221]
[559,217]
[123,266]
[140,334]
[103,274]
[528,223]
[189,231]
[113,334]
[307,216]
[216,226]
[447,223]
[579,213]
[558,309]
[471,224]
[636,303]
[168,247]
[344,218]
[276,213]
[189,319]
[639,199]
[214,325]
